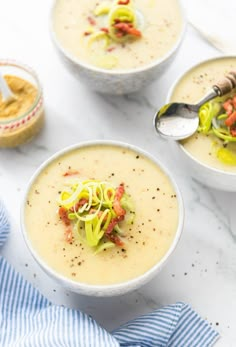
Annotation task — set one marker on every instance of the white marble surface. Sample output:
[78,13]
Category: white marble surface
[202,271]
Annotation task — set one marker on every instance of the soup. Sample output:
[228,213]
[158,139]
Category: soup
[145,239]
[207,148]
[85,30]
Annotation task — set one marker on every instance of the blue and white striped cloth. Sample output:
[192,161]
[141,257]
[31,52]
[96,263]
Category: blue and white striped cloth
[27,319]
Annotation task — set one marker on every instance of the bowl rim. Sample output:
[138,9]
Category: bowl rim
[111,289]
[94,68]
[168,98]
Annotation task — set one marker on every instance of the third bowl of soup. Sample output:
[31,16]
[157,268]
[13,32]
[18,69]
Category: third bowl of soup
[108,216]
[117,47]
[210,153]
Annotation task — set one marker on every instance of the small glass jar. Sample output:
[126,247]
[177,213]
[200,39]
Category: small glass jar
[15,131]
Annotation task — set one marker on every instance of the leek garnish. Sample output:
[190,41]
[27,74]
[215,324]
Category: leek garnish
[106,61]
[226,156]
[103,8]
[118,24]
[89,207]
[222,116]
[223,134]
[206,113]
[218,117]
[99,36]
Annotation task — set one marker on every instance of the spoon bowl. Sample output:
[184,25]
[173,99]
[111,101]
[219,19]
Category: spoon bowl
[178,121]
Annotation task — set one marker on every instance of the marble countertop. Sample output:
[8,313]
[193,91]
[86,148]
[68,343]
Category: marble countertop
[202,270]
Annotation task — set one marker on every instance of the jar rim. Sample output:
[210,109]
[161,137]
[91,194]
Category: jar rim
[39,98]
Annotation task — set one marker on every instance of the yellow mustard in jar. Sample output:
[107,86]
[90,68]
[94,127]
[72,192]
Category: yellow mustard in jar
[25,94]
[22,118]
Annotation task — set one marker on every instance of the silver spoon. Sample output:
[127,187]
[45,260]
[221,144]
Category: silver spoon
[7,95]
[177,121]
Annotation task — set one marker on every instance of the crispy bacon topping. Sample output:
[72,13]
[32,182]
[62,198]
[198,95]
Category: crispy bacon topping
[116,203]
[123,2]
[68,235]
[63,214]
[91,20]
[113,223]
[71,173]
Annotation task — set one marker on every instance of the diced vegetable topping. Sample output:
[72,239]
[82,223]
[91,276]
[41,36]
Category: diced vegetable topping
[93,210]
[218,117]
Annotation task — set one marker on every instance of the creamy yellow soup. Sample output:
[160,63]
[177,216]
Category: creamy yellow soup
[160,22]
[191,88]
[146,241]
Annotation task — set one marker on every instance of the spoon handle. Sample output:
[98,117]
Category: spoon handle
[225,85]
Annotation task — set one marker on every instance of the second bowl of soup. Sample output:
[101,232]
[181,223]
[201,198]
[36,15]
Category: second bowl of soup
[108,217]
[210,153]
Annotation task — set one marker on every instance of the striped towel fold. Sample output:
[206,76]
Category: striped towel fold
[27,319]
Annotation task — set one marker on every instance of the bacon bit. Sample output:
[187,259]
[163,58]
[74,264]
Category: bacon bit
[123,2]
[120,34]
[118,209]
[231,119]
[113,223]
[124,27]
[127,28]
[116,203]
[63,214]
[68,235]
[115,239]
[91,20]
[110,50]
[71,173]
[92,210]
[134,32]
[87,33]
[227,105]
[105,30]
[233,131]
[79,204]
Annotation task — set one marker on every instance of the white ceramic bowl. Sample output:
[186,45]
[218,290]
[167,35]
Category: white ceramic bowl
[104,290]
[209,176]
[118,81]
